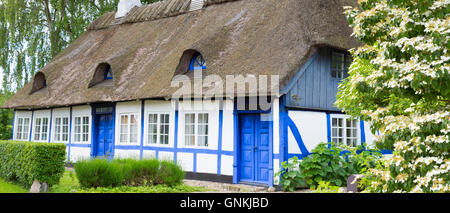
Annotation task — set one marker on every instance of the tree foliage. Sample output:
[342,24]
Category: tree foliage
[33,32]
[400,82]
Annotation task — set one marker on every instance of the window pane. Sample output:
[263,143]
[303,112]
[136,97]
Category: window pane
[202,140]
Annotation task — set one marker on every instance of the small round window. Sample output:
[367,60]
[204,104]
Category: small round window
[197,62]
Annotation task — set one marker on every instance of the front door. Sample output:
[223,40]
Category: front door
[104,127]
[255,153]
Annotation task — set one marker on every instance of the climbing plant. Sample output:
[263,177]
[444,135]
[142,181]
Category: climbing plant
[399,81]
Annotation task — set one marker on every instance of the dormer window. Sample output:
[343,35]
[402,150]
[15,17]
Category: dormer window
[197,62]
[103,75]
[108,73]
[340,62]
[39,82]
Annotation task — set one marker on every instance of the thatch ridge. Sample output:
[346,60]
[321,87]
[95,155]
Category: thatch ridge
[157,10]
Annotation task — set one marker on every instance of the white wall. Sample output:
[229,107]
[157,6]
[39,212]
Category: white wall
[312,126]
[207,163]
[79,153]
[120,154]
[228,127]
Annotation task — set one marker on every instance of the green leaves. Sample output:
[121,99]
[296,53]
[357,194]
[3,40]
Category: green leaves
[332,165]
[23,162]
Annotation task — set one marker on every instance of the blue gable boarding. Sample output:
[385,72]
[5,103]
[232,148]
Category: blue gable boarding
[313,86]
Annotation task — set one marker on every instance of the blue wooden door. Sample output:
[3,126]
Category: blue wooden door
[255,155]
[104,135]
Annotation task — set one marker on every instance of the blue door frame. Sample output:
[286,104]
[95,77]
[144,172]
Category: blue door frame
[97,115]
[237,170]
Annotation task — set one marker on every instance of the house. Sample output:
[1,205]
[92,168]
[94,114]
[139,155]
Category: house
[178,80]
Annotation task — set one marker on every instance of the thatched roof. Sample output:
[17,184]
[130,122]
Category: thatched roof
[258,37]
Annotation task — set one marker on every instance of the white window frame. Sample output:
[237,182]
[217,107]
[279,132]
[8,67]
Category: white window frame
[16,128]
[344,127]
[55,129]
[128,141]
[196,135]
[40,133]
[74,132]
[158,130]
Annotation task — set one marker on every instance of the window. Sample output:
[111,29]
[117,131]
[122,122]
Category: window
[23,128]
[196,129]
[39,82]
[344,130]
[108,73]
[81,129]
[128,129]
[61,129]
[40,129]
[339,65]
[158,129]
[197,62]
[103,74]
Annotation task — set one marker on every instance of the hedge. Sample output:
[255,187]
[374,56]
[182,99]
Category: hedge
[23,162]
[127,172]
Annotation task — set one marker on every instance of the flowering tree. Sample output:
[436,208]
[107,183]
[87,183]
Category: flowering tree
[399,81]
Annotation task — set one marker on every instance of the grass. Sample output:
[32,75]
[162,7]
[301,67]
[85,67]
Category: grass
[69,184]
[6,187]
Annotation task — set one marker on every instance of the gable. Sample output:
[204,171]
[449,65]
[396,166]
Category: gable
[315,85]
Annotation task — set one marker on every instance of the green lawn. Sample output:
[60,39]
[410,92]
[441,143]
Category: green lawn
[6,187]
[69,184]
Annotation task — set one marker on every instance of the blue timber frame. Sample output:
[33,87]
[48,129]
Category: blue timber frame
[14,121]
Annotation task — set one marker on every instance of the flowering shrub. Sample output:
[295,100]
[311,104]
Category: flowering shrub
[399,80]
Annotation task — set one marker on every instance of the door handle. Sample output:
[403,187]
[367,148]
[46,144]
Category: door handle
[255,148]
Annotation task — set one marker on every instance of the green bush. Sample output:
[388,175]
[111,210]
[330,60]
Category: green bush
[333,165]
[23,162]
[98,172]
[128,172]
[171,174]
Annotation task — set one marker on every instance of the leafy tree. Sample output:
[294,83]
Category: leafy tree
[33,32]
[400,82]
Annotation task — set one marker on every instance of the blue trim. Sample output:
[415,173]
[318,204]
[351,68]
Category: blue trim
[108,71]
[219,143]
[31,124]
[328,129]
[14,120]
[194,58]
[236,140]
[299,74]
[70,134]
[175,139]
[141,153]
[171,149]
[363,133]
[81,145]
[50,126]
[195,163]
[283,131]
[297,136]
